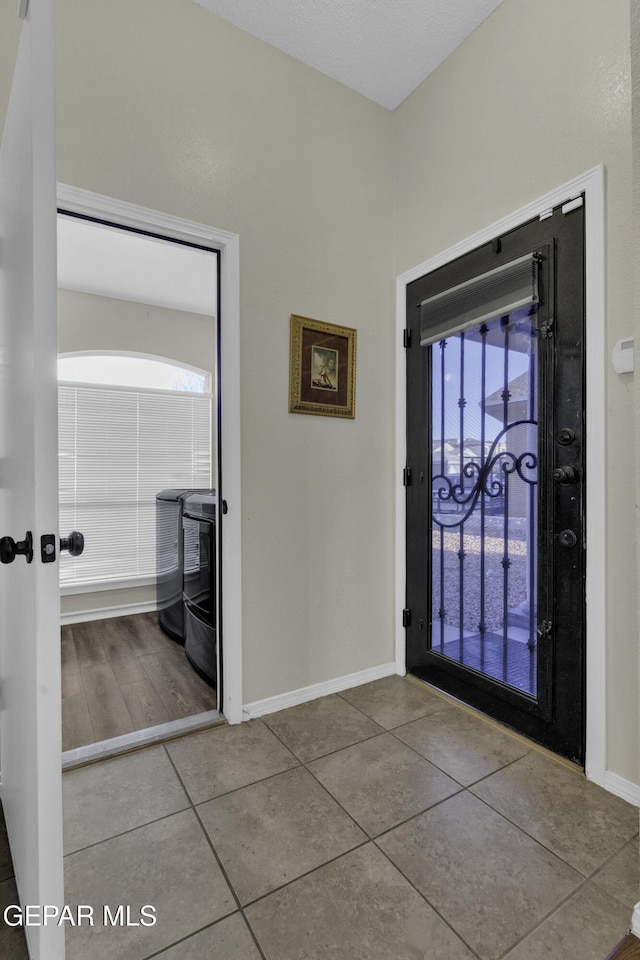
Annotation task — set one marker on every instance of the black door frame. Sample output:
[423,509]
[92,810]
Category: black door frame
[555,715]
[592,184]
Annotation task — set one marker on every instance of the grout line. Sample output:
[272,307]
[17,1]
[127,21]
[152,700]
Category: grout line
[219,861]
[124,833]
[392,731]
[308,873]
[206,835]
[450,776]
[414,816]
[428,902]
[305,766]
[598,870]
[337,802]
[176,943]
[329,753]
[270,776]
[370,838]
[536,840]
[229,793]
[487,776]
[544,919]
[465,708]
[254,935]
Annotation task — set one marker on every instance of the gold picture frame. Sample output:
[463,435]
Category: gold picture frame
[322,368]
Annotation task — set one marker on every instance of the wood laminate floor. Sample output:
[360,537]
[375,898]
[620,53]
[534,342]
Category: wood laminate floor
[122,675]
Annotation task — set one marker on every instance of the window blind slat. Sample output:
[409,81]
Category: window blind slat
[117,449]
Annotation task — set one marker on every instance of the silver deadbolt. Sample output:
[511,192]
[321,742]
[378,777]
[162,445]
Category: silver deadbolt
[567,538]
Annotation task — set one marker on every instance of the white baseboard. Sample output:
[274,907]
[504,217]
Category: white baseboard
[622,788]
[103,613]
[260,708]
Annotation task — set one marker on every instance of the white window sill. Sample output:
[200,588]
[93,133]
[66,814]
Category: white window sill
[103,586]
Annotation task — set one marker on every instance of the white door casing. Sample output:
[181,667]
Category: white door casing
[592,185]
[89,204]
[30,694]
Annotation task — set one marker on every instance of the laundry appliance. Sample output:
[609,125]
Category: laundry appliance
[169,562]
[200,581]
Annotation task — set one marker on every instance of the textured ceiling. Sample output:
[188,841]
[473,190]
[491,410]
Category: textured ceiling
[381,48]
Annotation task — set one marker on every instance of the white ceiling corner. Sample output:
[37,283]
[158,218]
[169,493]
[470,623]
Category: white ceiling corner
[382,49]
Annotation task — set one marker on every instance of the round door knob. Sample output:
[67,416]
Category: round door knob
[566,436]
[9,549]
[74,543]
[564,475]
[567,538]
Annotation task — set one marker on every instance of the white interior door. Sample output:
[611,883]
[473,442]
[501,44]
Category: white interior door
[30,697]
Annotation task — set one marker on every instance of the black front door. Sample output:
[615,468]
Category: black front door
[495,479]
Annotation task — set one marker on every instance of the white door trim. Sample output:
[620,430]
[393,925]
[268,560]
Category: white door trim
[592,184]
[228,244]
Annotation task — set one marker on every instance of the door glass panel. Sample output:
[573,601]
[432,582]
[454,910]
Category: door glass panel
[484,457]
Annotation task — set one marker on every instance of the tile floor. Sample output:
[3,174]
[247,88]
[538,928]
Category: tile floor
[384,823]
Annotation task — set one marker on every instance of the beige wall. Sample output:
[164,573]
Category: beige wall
[635,240]
[89,322]
[162,104]
[9,36]
[537,95]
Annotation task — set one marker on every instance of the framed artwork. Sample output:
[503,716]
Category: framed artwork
[322,369]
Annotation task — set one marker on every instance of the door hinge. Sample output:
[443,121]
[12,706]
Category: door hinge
[406,476]
[406,338]
[23,8]
[545,329]
[544,629]
[406,617]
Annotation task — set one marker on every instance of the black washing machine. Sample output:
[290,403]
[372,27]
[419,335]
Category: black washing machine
[169,562]
[199,578]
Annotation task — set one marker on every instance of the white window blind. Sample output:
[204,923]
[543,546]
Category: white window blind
[118,448]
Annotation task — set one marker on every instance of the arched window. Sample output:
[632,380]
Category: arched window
[129,427]
[133,370]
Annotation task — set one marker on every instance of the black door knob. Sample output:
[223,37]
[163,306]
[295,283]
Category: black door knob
[567,538]
[9,549]
[74,543]
[566,436]
[564,475]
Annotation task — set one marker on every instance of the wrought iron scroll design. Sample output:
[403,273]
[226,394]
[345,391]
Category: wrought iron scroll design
[485,483]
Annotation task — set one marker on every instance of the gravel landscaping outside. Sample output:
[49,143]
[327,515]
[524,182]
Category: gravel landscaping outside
[493,573]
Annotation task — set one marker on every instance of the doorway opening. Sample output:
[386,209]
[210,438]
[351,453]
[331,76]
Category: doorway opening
[495,497]
[139,418]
